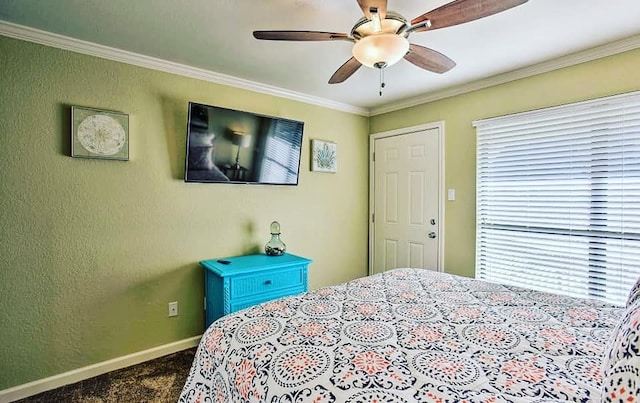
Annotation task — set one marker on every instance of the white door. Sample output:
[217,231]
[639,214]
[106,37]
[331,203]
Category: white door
[406,200]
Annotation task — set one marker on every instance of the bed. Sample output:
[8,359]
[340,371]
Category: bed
[414,335]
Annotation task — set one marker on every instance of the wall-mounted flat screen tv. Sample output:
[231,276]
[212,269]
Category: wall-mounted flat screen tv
[229,146]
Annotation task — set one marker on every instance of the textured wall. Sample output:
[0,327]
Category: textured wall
[608,76]
[91,251]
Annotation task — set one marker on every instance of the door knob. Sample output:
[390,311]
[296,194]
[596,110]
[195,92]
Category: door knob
[432,235]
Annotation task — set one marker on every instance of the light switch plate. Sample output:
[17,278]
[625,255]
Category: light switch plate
[451,194]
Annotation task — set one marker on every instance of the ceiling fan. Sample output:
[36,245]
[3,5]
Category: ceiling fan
[380,38]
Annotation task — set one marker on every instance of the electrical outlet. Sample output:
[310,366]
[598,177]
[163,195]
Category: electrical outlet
[173,308]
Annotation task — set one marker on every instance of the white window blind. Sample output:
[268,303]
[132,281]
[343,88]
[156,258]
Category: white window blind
[558,198]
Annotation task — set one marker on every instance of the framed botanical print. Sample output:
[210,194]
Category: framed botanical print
[324,156]
[97,133]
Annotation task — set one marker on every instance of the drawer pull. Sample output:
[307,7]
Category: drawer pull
[267,282]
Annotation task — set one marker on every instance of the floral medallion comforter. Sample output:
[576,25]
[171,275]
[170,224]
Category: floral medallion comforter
[407,335]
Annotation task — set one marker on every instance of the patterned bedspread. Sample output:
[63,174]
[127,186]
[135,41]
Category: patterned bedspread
[408,335]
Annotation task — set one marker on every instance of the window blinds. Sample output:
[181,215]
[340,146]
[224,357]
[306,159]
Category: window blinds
[558,198]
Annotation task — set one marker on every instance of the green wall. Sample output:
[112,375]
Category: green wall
[607,76]
[92,251]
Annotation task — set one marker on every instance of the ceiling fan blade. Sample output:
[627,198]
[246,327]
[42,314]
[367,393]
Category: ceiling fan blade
[429,59]
[368,5]
[461,11]
[345,71]
[300,36]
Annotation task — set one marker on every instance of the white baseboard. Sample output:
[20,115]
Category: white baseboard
[76,375]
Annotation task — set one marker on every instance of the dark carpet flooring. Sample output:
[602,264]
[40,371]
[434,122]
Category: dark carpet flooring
[159,380]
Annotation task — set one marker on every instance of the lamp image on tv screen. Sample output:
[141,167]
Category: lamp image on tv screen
[229,146]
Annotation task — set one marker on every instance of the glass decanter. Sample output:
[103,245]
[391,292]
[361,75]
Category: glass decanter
[275,246]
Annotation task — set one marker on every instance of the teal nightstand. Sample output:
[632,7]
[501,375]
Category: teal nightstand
[244,281]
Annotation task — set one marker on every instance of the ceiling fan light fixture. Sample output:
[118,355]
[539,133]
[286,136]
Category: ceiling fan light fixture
[380,36]
[380,49]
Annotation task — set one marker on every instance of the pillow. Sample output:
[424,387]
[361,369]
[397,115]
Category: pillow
[621,367]
[634,294]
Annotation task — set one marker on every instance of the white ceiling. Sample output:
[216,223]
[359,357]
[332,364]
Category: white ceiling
[216,35]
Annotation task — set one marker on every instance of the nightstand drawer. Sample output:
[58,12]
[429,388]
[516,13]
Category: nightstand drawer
[251,285]
[245,303]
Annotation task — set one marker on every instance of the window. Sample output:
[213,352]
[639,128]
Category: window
[558,198]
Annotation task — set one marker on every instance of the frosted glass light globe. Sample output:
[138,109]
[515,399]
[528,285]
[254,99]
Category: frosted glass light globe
[380,50]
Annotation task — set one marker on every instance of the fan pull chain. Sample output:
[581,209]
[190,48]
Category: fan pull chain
[381,80]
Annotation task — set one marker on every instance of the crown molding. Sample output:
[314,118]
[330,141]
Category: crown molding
[105,52]
[92,49]
[573,59]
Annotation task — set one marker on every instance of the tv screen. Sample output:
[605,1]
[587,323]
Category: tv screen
[229,146]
